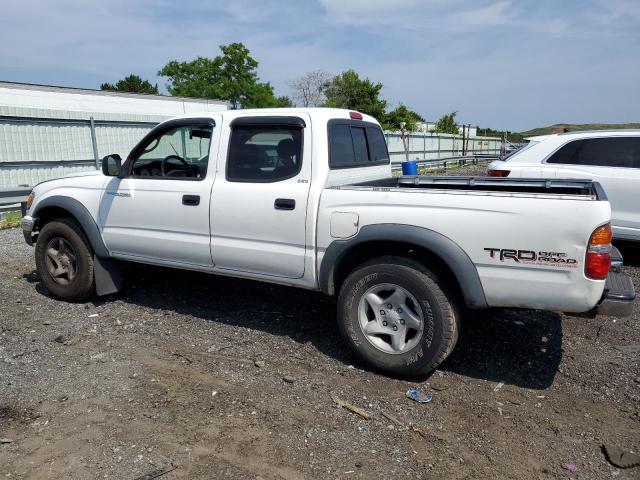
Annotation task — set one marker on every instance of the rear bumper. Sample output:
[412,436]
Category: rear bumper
[616,260]
[619,296]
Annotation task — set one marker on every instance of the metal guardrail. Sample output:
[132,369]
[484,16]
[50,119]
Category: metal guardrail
[451,162]
[15,196]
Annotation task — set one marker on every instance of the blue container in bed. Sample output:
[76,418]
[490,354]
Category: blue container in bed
[410,167]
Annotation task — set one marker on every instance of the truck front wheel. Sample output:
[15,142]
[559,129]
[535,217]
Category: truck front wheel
[397,316]
[64,260]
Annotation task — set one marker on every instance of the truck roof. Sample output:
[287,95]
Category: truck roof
[319,113]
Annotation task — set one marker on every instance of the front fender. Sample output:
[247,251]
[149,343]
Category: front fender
[80,214]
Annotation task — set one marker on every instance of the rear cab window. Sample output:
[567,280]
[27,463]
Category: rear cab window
[354,143]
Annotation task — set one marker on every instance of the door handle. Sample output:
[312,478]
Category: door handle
[191,200]
[284,204]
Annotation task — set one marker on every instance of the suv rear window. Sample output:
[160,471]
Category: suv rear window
[356,144]
[600,152]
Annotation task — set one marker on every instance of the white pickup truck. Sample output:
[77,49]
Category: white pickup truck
[306,198]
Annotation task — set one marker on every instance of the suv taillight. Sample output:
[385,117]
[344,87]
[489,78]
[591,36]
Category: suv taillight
[598,259]
[498,173]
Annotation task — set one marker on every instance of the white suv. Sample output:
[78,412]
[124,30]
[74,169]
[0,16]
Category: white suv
[611,157]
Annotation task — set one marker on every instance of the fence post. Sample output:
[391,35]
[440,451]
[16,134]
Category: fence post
[94,142]
[424,144]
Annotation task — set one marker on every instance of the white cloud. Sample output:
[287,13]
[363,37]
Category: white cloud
[496,14]
[621,9]
[499,62]
[398,13]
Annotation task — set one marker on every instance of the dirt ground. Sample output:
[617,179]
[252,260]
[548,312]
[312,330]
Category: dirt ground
[223,378]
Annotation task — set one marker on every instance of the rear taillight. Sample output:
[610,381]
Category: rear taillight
[498,173]
[598,259]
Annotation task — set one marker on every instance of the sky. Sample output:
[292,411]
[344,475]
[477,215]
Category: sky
[504,64]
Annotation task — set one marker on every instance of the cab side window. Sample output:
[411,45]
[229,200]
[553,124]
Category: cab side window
[601,152]
[181,152]
[264,153]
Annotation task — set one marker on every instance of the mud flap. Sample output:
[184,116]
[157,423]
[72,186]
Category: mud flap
[107,275]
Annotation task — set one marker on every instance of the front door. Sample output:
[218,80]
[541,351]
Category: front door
[159,211]
[259,204]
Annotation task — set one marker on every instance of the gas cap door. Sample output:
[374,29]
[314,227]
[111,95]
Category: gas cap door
[344,224]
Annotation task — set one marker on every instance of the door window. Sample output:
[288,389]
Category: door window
[601,152]
[264,153]
[180,153]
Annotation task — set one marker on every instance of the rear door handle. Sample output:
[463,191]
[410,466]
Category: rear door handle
[285,204]
[192,200]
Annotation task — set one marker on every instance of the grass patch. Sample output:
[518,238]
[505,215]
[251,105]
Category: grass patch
[11,220]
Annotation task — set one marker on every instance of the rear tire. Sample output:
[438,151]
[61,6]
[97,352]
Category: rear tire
[396,315]
[64,260]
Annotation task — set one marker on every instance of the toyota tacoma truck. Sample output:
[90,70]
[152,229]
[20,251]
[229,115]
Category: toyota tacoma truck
[306,198]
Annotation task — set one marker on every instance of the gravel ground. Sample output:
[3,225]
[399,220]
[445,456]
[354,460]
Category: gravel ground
[223,378]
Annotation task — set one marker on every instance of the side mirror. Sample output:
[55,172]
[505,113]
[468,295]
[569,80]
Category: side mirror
[111,165]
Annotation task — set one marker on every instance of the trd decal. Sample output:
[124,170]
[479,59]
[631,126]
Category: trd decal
[559,259]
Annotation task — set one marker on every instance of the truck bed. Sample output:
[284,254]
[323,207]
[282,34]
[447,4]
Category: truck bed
[546,218]
[571,187]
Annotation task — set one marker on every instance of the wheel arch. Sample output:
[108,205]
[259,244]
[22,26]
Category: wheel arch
[59,206]
[427,246]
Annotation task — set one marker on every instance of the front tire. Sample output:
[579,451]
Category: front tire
[64,260]
[397,316]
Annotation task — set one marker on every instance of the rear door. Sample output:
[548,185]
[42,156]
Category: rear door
[259,203]
[615,163]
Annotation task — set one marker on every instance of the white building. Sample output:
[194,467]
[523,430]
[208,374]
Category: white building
[47,131]
[431,127]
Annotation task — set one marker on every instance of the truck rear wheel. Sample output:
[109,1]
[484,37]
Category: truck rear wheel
[64,260]
[396,315]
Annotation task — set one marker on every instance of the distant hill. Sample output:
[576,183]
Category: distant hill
[559,128]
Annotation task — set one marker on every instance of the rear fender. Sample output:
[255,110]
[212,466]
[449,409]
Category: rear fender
[446,249]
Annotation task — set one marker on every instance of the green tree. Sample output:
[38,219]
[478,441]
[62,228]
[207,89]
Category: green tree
[392,120]
[231,76]
[349,91]
[133,84]
[447,124]
[283,102]
[513,137]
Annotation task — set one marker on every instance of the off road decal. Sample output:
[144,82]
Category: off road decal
[531,257]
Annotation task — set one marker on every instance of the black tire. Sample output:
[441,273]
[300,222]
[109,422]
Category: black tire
[81,286]
[437,304]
